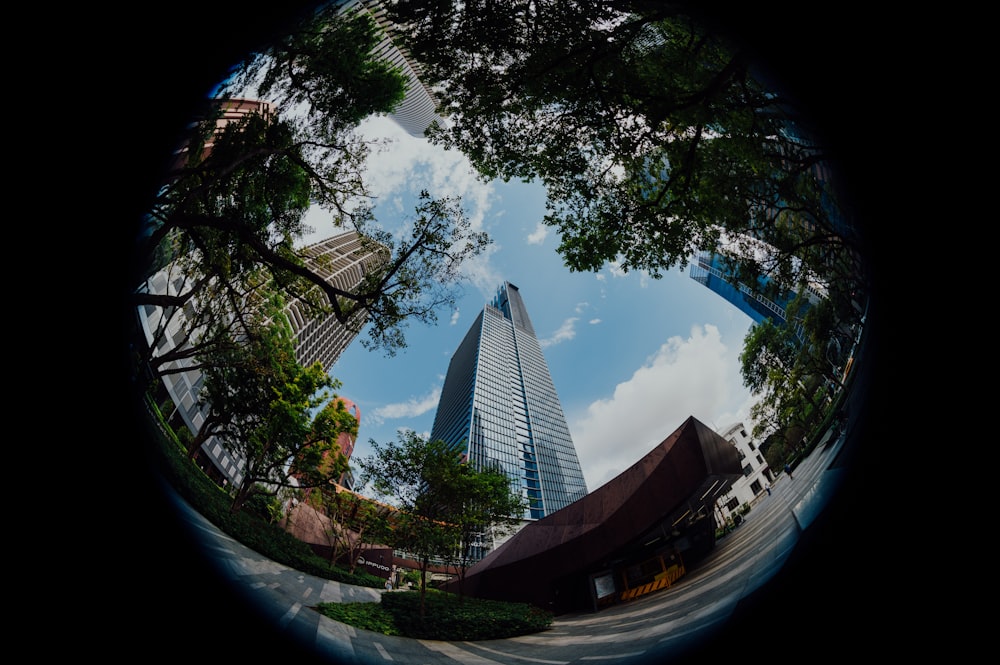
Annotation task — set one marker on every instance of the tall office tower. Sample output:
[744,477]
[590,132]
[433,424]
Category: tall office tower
[418,110]
[500,406]
[342,260]
[708,269]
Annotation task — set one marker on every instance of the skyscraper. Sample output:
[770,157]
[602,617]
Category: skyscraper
[418,110]
[500,406]
[709,270]
[341,260]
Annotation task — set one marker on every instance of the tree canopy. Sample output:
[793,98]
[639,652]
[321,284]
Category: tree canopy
[651,134]
[444,503]
[279,418]
[232,211]
[355,522]
[655,138]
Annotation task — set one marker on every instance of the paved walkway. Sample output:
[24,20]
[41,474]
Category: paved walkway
[660,626]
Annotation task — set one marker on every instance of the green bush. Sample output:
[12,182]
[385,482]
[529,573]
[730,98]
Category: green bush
[446,617]
[248,527]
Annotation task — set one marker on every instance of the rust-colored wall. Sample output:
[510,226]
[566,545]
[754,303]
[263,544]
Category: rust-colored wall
[592,530]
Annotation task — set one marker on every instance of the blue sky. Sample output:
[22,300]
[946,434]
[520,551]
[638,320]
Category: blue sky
[631,357]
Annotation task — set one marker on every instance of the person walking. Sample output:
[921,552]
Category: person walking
[768,488]
[788,470]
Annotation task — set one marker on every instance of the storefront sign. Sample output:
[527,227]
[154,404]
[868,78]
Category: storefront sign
[372,564]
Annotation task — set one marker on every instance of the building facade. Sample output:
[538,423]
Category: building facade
[418,110]
[755,481]
[229,110]
[709,270]
[500,407]
[342,260]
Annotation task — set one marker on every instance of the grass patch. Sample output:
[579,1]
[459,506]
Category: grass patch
[446,617]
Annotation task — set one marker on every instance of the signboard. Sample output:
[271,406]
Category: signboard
[604,585]
[377,562]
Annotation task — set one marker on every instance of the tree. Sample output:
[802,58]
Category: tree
[650,132]
[418,477]
[445,503]
[231,213]
[272,413]
[485,505]
[355,522]
[785,366]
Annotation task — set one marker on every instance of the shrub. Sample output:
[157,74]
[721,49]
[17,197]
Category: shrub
[448,617]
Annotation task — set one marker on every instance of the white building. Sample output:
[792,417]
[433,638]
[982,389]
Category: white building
[757,475]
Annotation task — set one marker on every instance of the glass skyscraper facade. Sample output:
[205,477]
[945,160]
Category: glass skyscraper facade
[500,406]
[708,269]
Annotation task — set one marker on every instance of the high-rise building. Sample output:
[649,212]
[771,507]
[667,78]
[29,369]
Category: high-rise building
[345,444]
[499,405]
[418,110]
[709,270]
[229,110]
[341,260]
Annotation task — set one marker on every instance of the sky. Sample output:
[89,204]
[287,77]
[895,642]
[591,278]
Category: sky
[631,357]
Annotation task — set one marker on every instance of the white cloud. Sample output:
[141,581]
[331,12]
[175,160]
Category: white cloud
[404,165]
[537,237]
[415,406]
[594,322]
[581,306]
[565,333]
[454,317]
[697,376]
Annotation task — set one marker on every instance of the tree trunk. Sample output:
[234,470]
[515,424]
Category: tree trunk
[424,562]
[195,444]
[242,494]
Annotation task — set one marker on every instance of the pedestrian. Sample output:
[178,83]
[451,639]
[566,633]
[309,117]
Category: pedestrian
[788,470]
[388,585]
[768,488]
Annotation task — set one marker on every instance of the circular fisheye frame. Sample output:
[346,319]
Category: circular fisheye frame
[605,267]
